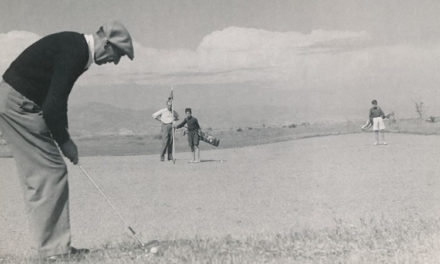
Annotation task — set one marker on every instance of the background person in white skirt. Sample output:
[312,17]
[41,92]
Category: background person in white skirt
[376,118]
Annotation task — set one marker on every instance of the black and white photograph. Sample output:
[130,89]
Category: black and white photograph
[220,131]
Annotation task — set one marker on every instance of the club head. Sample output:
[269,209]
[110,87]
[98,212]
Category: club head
[152,247]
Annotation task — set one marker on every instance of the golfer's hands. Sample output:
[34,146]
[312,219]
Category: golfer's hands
[70,150]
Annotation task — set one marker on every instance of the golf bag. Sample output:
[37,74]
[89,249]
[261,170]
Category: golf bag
[210,139]
[369,123]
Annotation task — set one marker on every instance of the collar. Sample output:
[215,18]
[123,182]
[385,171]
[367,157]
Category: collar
[91,44]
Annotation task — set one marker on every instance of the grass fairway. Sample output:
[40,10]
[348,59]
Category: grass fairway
[335,199]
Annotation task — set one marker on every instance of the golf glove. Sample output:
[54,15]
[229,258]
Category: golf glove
[70,150]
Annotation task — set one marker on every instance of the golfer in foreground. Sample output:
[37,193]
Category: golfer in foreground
[33,118]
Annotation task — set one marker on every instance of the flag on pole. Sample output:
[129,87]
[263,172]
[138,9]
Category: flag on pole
[173,150]
[171,97]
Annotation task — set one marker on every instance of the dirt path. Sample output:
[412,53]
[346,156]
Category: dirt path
[260,189]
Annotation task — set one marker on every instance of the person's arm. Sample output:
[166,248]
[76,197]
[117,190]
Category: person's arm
[157,115]
[65,72]
[181,124]
[55,104]
[370,116]
[197,125]
[382,114]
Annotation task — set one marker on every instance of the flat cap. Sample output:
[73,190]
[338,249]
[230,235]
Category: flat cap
[118,36]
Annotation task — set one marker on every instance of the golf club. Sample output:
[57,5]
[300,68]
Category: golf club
[112,206]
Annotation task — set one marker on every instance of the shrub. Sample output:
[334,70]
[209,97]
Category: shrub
[420,109]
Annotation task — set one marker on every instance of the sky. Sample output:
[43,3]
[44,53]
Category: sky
[386,49]
[183,24]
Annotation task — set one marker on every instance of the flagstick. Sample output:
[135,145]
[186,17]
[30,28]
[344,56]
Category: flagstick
[172,114]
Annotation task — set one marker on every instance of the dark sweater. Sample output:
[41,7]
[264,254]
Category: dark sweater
[376,111]
[45,73]
[192,123]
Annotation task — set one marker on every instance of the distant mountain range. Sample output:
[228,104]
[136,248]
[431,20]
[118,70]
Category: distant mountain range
[105,119]
[127,109]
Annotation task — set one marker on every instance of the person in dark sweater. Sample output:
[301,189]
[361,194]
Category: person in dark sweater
[376,117]
[193,134]
[33,119]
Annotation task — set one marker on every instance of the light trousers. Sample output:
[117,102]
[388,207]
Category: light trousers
[41,170]
[167,140]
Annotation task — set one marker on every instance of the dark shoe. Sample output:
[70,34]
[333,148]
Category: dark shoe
[74,254]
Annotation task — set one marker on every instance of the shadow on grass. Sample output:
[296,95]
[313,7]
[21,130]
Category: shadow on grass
[213,160]
[202,161]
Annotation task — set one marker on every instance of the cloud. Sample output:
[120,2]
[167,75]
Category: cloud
[319,59]
[230,55]
[246,47]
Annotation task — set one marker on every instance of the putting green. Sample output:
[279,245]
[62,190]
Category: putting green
[266,188]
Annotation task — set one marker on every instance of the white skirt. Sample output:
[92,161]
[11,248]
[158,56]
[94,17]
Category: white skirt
[378,124]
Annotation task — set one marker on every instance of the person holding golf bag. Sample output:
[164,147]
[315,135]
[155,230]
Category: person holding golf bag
[33,119]
[376,116]
[193,134]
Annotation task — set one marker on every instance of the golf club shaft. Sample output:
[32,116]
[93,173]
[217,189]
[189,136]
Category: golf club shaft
[111,204]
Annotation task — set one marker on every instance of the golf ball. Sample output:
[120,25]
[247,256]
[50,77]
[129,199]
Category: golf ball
[154,250]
